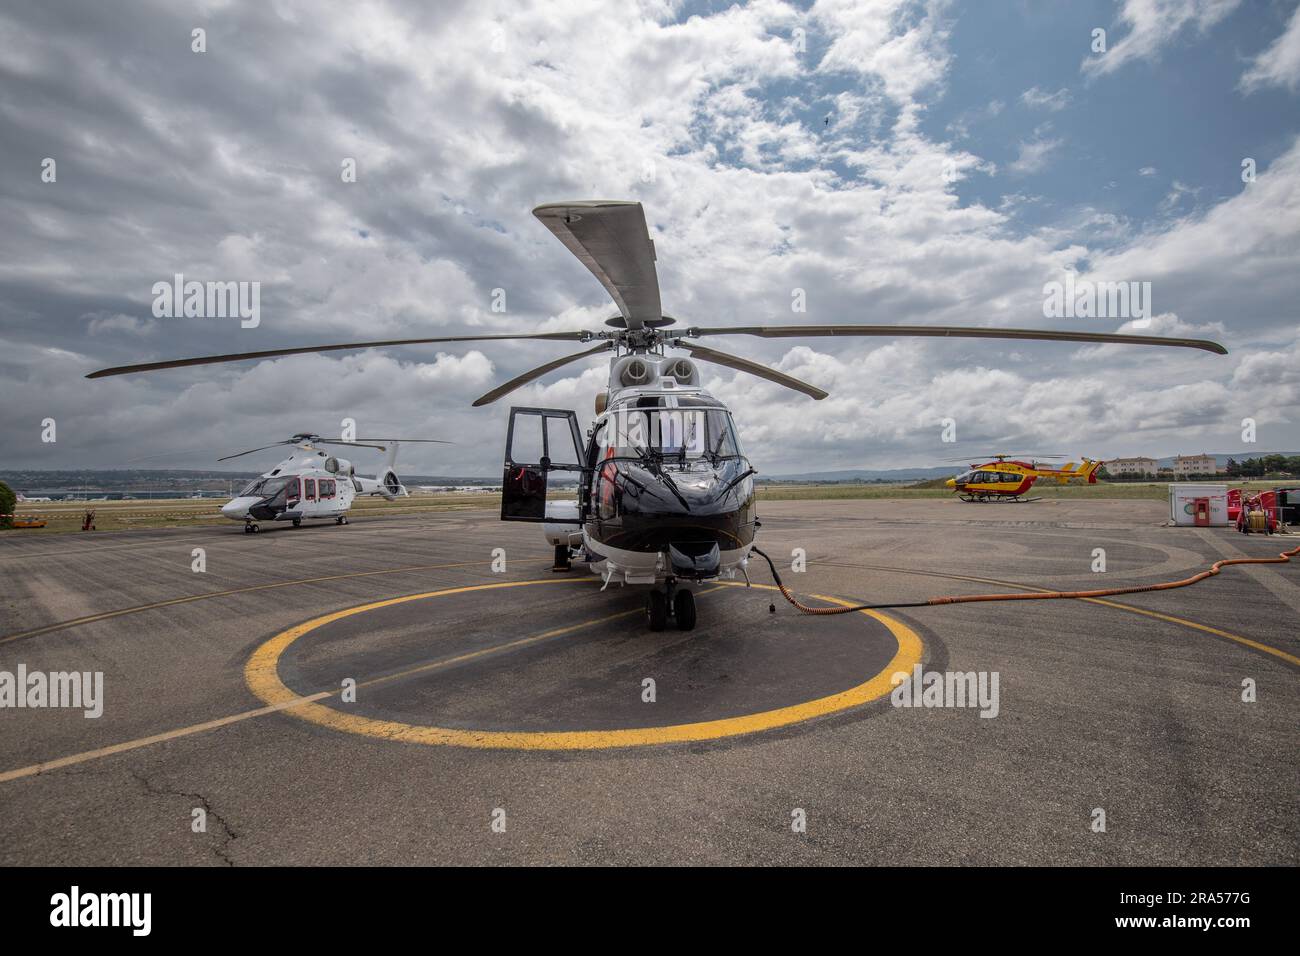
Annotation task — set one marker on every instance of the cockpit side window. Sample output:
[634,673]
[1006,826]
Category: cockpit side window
[266,487]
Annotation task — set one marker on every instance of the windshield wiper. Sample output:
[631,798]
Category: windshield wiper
[737,480]
[656,466]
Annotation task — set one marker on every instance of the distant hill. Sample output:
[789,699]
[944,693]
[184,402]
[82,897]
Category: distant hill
[947,471]
[156,482]
[866,474]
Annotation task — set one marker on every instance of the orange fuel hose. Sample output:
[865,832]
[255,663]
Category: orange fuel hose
[1282,558]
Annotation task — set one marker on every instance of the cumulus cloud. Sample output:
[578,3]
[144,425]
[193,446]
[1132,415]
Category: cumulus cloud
[1041,99]
[1279,65]
[1154,24]
[1035,154]
[461,117]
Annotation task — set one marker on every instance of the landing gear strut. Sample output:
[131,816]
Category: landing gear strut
[562,562]
[656,609]
[679,604]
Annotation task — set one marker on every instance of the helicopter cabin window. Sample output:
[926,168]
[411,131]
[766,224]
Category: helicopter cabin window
[309,489]
[326,488]
[690,430]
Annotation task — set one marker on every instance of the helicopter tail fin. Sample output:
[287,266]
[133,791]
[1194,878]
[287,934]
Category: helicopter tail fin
[1088,470]
[390,486]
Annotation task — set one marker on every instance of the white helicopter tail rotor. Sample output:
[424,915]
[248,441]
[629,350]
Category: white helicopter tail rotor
[390,486]
[386,482]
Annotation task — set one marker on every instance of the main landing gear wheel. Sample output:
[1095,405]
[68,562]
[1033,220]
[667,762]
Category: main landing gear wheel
[656,609]
[297,522]
[342,519]
[684,610]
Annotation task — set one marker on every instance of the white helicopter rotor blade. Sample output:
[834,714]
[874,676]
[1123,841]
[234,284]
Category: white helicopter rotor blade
[534,373]
[263,448]
[953,331]
[611,239]
[344,347]
[350,444]
[753,368]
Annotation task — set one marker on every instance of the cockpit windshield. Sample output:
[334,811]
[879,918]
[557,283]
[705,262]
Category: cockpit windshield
[691,429]
[265,487]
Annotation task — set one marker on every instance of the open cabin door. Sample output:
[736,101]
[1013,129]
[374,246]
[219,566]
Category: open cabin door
[539,443]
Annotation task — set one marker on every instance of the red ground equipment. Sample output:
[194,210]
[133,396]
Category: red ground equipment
[1258,514]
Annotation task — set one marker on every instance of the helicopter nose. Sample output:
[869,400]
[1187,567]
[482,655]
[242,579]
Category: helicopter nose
[233,509]
[951,482]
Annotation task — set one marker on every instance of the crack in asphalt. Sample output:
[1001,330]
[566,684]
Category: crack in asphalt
[209,811]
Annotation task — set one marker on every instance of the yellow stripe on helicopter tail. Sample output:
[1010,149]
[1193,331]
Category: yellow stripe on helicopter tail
[1070,470]
[1066,472]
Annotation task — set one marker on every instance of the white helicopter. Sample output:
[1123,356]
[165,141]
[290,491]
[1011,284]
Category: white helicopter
[312,484]
[665,494]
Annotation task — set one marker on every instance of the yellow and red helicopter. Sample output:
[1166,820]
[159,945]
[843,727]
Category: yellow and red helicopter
[1007,479]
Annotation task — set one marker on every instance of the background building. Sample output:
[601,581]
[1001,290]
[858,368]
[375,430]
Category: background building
[1131,467]
[1202,464]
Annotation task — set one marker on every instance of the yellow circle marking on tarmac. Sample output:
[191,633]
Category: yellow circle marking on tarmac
[263,678]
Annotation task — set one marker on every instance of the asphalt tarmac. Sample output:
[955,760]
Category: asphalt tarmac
[378,693]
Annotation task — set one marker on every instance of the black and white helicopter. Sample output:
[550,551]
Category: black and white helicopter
[665,495]
[313,484]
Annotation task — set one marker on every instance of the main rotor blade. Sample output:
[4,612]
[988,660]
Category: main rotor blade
[538,372]
[350,444]
[753,368]
[263,448]
[1014,455]
[424,441]
[272,353]
[611,239]
[954,331]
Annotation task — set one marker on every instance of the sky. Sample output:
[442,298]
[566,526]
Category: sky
[880,161]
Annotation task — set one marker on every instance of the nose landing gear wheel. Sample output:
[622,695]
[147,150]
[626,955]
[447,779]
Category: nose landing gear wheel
[340,520]
[684,610]
[656,608]
[297,522]
[252,528]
